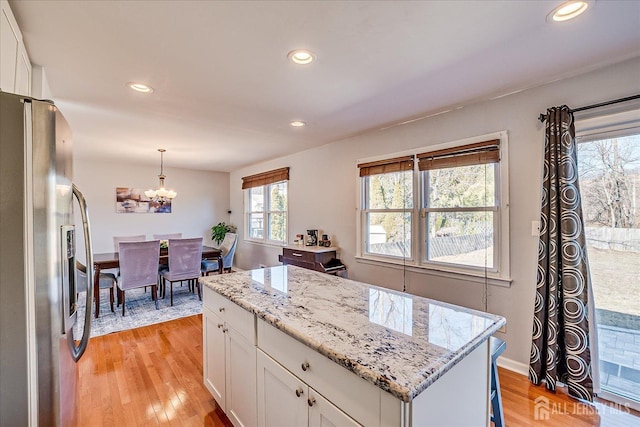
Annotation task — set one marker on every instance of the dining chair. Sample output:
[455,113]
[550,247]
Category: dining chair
[228,248]
[167,236]
[138,268]
[118,239]
[107,281]
[163,266]
[184,264]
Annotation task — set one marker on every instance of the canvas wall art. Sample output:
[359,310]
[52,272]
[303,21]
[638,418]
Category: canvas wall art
[133,200]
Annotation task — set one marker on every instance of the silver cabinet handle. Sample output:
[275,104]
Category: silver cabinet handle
[311,401]
[295,254]
[220,325]
[299,392]
[221,309]
[305,366]
[225,330]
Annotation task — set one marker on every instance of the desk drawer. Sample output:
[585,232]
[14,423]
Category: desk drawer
[300,256]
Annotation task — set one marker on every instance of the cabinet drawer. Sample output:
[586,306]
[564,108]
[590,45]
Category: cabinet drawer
[302,256]
[353,395]
[235,316]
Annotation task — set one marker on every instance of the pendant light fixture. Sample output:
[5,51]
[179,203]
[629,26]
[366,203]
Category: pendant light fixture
[161,195]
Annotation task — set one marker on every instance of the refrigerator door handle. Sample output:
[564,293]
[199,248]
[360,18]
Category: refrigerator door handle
[78,351]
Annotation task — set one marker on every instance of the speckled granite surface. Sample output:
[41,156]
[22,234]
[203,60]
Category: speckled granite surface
[399,342]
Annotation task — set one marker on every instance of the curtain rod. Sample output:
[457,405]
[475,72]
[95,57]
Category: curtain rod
[542,117]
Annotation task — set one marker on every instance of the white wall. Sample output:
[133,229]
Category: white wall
[203,200]
[322,192]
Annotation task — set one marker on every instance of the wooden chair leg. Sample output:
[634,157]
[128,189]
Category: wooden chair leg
[198,286]
[154,295]
[122,303]
[171,291]
[111,299]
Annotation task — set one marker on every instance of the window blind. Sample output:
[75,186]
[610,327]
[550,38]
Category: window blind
[265,178]
[479,153]
[398,164]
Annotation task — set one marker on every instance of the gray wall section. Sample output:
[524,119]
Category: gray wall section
[13,329]
[323,192]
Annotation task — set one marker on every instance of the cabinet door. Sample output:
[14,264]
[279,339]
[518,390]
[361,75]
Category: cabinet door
[282,398]
[9,44]
[323,413]
[214,356]
[23,73]
[241,379]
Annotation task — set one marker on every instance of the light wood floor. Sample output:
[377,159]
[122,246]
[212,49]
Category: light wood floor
[153,375]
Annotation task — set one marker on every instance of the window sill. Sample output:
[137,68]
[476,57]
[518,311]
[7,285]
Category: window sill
[263,243]
[491,279]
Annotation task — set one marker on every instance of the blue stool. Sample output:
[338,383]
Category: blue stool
[497,347]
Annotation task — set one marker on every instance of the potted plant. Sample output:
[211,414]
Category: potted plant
[219,230]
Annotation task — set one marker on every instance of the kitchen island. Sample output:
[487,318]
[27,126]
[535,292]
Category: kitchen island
[289,346]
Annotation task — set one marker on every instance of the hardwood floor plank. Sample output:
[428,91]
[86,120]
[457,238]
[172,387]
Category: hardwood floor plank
[153,375]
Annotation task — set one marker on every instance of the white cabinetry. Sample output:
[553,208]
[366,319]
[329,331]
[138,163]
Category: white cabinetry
[230,358]
[285,400]
[15,67]
[262,376]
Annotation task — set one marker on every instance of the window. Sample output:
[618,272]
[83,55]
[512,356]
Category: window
[440,208]
[609,175]
[460,205]
[266,202]
[388,206]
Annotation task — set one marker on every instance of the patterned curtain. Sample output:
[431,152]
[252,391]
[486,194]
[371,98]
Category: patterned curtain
[561,348]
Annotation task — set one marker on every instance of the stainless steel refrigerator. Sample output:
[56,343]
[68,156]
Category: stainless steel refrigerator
[38,298]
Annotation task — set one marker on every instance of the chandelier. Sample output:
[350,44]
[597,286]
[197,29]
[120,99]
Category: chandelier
[161,195]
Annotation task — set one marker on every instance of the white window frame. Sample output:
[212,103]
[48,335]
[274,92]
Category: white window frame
[365,224]
[499,275]
[266,213]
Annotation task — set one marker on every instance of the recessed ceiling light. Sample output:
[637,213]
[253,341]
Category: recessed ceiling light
[568,10]
[301,56]
[297,123]
[140,87]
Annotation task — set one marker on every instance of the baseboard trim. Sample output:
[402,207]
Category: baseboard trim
[512,365]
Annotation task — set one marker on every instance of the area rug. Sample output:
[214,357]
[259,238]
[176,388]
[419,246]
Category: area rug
[140,310]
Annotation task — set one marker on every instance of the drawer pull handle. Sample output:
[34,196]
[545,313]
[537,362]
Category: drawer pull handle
[311,401]
[305,366]
[220,325]
[224,331]
[295,254]
[299,392]
[221,309]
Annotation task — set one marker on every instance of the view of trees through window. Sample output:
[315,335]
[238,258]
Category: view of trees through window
[278,212]
[389,213]
[459,214]
[609,177]
[275,210]
[460,220]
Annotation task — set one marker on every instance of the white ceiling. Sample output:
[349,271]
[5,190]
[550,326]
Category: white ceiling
[225,91]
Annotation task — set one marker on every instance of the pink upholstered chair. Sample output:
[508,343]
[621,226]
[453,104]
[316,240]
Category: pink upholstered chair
[184,264]
[138,267]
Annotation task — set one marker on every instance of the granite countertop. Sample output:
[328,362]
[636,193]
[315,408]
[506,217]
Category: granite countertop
[399,342]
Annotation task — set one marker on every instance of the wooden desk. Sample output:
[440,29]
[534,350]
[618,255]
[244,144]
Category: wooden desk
[108,260]
[318,258]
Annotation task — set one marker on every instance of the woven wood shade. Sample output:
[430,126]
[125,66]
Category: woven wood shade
[398,164]
[265,178]
[479,153]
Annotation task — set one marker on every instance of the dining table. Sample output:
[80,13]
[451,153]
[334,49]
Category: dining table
[107,260]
